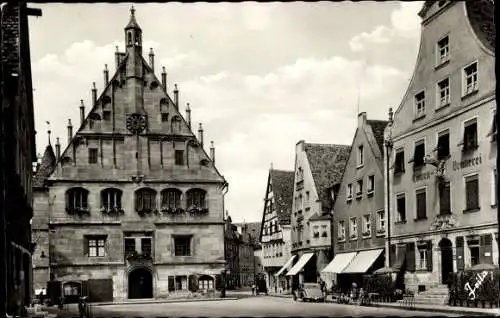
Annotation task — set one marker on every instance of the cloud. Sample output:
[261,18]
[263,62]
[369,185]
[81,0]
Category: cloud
[405,24]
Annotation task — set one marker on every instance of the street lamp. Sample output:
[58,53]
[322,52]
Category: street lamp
[388,148]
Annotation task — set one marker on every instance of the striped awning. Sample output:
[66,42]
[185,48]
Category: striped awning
[363,261]
[339,262]
[287,264]
[300,264]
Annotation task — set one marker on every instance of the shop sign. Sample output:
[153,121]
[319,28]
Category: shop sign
[479,281]
[466,163]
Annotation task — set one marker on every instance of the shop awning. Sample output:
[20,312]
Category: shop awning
[300,264]
[339,262]
[363,261]
[287,264]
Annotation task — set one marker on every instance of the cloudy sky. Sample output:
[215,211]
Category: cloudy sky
[260,76]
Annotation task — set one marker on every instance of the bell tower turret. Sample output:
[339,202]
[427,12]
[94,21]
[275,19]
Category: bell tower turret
[133,34]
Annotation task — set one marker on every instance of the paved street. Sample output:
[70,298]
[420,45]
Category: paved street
[249,307]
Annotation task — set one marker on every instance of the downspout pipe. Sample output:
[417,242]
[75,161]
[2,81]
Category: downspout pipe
[388,146]
[225,188]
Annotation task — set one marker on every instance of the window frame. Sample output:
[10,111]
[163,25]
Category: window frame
[341,237]
[349,192]
[381,229]
[142,208]
[117,195]
[466,123]
[91,151]
[179,157]
[360,157]
[439,60]
[366,225]
[441,133]
[165,197]
[440,212]
[397,197]
[422,251]
[71,200]
[416,103]
[465,93]
[439,103]
[352,231]
[359,188]
[189,248]
[399,151]
[474,175]
[418,142]
[192,198]
[96,247]
[371,179]
[419,190]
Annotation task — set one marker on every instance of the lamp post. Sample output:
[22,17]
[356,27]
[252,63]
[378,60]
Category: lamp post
[388,148]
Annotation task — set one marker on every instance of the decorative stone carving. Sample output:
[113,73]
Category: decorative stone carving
[136,123]
[443,222]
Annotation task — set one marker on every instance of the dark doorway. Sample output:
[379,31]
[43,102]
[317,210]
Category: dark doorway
[140,284]
[446,260]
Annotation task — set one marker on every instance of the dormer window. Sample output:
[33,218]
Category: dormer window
[349,192]
[420,104]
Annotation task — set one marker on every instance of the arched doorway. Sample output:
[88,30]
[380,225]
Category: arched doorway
[140,284]
[446,259]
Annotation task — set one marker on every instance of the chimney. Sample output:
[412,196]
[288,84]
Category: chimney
[58,149]
[82,112]
[390,115]
[200,134]
[271,166]
[361,119]
[70,131]
[152,59]
[117,58]
[164,78]
[188,115]
[176,97]
[212,151]
[106,75]
[94,94]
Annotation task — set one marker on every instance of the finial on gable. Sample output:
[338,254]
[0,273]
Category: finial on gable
[200,134]
[390,115]
[271,166]
[188,115]
[132,10]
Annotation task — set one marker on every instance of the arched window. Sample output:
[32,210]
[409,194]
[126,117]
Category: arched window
[77,200]
[171,199]
[93,118]
[196,198]
[145,200]
[129,38]
[137,39]
[111,199]
[176,124]
[205,282]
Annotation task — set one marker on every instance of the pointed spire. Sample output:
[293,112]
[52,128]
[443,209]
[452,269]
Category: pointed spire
[132,24]
[82,112]
[200,134]
[188,115]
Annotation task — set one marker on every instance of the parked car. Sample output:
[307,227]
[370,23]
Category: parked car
[309,292]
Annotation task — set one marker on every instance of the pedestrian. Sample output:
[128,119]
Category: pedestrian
[253,289]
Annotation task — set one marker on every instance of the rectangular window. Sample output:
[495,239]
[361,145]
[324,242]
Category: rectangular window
[96,246]
[353,228]
[341,231]
[420,104]
[401,208]
[164,117]
[443,50]
[349,191]
[106,115]
[146,246]
[381,222]
[443,146]
[444,198]
[367,230]
[444,92]
[399,162]
[422,259]
[360,155]
[470,81]
[472,192]
[371,184]
[92,155]
[359,188]
[182,245]
[474,255]
[421,200]
[419,154]
[179,157]
[129,245]
[470,135]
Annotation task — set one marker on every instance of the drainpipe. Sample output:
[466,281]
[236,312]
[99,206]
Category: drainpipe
[388,147]
[224,189]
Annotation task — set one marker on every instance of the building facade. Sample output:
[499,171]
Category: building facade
[249,239]
[318,167]
[359,220]
[17,154]
[134,205]
[232,242]
[275,235]
[443,177]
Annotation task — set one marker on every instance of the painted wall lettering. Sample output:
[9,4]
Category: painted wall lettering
[457,165]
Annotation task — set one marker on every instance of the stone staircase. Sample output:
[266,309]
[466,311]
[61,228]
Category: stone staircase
[436,295]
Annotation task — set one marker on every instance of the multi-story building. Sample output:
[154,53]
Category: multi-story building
[318,168]
[443,175]
[249,239]
[134,205]
[276,230]
[232,242]
[17,154]
[358,211]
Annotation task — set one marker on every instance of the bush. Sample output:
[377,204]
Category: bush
[381,284]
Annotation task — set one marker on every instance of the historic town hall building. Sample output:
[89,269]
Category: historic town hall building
[133,207]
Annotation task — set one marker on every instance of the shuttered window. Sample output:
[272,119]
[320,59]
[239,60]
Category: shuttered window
[444,198]
[421,199]
[472,192]
[429,256]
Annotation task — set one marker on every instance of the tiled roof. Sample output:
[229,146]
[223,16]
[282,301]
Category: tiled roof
[46,167]
[253,228]
[282,187]
[317,217]
[378,127]
[481,15]
[327,164]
